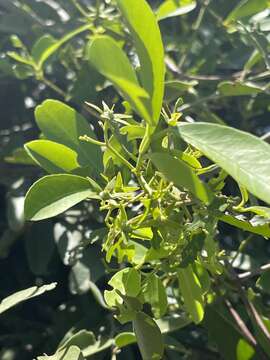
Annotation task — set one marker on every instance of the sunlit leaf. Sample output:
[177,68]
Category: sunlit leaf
[191,291]
[54,194]
[62,124]
[119,71]
[24,295]
[148,337]
[52,157]
[170,8]
[146,35]
[243,156]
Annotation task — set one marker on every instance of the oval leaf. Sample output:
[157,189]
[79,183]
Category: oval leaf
[191,291]
[62,124]
[243,156]
[155,294]
[148,337]
[127,281]
[53,194]
[145,32]
[52,157]
[23,295]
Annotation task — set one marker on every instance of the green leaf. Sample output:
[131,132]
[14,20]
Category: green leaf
[263,230]
[41,46]
[264,282]
[148,337]
[73,353]
[52,157]
[145,32]
[172,323]
[125,339]
[24,295]
[175,88]
[54,194]
[170,8]
[229,88]
[88,344]
[127,281]
[119,71]
[181,175]
[192,293]
[243,156]
[60,123]
[155,294]
[244,9]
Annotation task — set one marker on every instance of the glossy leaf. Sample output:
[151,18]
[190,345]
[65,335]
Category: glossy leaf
[127,281]
[54,194]
[148,337]
[243,156]
[155,294]
[24,295]
[52,157]
[182,175]
[119,71]
[145,32]
[170,8]
[263,230]
[192,293]
[125,339]
[61,123]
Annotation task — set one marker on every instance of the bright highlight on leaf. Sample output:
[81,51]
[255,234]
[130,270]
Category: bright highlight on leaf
[170,8]
[54,194]
[62,124]
[145,32]
[243,156]
[24,295]
[52,157]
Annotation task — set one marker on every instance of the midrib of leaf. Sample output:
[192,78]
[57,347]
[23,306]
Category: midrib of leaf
[238,168]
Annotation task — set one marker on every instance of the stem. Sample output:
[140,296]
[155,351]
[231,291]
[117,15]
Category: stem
[115,152]
[250,308]
[54,87]
[240,323]
[250,274]
[79,8]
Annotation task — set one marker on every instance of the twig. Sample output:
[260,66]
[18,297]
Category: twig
[240,323]
[251,310]
[249,274]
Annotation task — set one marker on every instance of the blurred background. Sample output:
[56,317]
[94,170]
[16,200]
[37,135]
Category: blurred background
[42,55]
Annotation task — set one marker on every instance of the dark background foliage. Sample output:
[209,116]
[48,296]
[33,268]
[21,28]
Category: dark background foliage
[200,52]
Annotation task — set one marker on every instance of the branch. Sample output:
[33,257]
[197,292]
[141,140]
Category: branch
[249,274]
